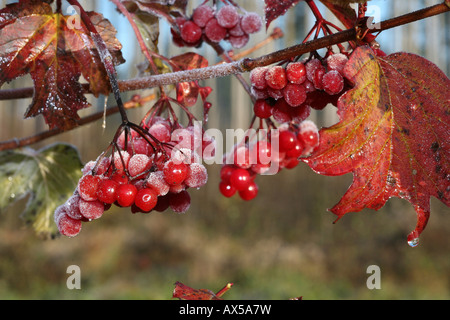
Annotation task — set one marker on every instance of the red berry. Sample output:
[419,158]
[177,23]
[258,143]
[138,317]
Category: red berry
[296,151]
[120,178]
[214,31]
[333,82]
[264,152]
[146,199]
[197,176]
[72,207]
[337,62]
[179,202]
[68,226]
[250,192]
[175,173]
[238,41]
[251,22]
[227,16]
[91,210]
[106,191]
[225,172]
[294,94]
[262,109]
[311,66]
[296,72]
[138,164]
[126,194]
[226,189]
[202,15]
[240,178]
[276,77]
[258,78]
[287,140]
[308,134]
[190,32]
[87,187]
[157,182]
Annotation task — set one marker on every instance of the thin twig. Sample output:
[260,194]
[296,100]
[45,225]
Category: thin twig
[245,65]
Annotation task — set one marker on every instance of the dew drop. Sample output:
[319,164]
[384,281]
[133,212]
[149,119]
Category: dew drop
[413,242]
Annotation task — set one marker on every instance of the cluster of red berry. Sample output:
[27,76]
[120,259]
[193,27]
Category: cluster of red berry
[281,148]
[288,93]
[142,174]
[213,25]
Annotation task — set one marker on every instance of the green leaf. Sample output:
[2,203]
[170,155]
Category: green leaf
[47,176]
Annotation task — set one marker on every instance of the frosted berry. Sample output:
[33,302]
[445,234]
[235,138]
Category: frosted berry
[138,164]
[276,77]
[332,82]
[179,202]
[227,16]
[197,176]
[251,22]
[296,72]
[68,226]
[214,31]
[294,94]
[258,78]
[202,15]
[87,187]
[238,41]
[190,32]
[337,62]
[91,210]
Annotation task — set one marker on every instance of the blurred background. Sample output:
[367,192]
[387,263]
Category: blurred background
[281,245]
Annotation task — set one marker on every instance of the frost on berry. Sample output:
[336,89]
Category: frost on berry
[179,202]
[72,207]
[239,41]
[197,176]
[214,31]
[156,181]
[276,77]
[91,210]
[258,78]
[190,32]
[333,82]
[251,22]
[68,226]
[337,62]
[160,131]
[296,72]
[294,94]
[227,16]
[87,187]
[202,15]
[138,164]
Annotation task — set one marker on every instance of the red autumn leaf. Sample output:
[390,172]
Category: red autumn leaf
[275,8]
[393,135]
[55,50]
[184,292]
